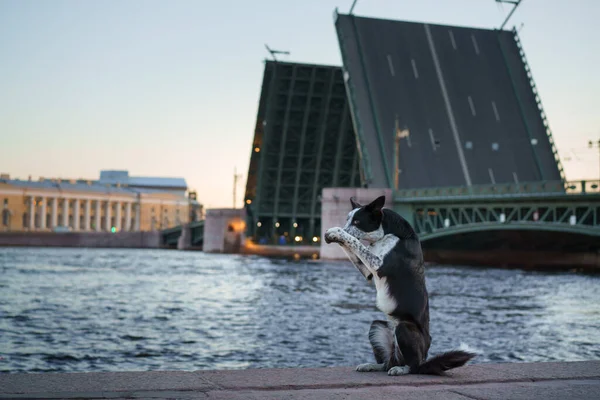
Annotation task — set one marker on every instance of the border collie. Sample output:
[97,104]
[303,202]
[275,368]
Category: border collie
[394,261]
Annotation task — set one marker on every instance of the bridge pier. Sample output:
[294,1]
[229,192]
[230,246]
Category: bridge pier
[185,240]
[224,230]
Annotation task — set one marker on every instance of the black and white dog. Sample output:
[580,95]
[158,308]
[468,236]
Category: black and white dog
[394,261]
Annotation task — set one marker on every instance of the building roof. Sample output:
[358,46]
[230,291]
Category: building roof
[123,178]
[175,183]
[109,182]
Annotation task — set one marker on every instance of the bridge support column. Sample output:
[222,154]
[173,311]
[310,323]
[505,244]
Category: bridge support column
[224,230]
[185,240]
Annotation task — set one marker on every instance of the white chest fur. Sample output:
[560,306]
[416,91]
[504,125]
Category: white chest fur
[385,302]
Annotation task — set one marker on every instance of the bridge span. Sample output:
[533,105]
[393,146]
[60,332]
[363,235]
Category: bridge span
[528,225]
[536,224]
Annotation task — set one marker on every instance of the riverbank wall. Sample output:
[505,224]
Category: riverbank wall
[82,239]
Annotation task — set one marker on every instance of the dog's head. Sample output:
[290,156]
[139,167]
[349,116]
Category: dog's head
[364,222]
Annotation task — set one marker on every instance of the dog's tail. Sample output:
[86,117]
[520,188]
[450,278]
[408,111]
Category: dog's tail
[443,362]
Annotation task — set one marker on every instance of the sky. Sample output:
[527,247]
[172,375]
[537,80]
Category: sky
[171,88]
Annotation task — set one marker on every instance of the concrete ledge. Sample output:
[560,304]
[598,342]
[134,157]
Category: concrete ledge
[134,240]
[572,380]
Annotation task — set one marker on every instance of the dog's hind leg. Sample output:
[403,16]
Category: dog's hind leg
[411,343]
[384,347]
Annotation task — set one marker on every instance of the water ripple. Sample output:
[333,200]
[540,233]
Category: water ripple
[116,310]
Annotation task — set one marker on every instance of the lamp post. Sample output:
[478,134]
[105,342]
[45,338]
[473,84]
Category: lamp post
[404,133]
[515,4]
[591,145]
[236,177]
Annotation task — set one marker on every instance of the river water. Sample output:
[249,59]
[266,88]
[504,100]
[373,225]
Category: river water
[115,310]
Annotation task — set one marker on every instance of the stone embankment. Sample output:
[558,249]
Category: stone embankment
[566,380]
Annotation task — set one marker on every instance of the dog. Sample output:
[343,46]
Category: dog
[394,262]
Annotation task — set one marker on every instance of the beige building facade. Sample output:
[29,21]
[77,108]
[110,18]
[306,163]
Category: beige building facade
[115,202]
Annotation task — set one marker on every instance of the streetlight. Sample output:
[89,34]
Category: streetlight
[591,145]
[515,4]
[236,177]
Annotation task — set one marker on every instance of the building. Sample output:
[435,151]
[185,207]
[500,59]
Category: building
[115,202]
[303,142]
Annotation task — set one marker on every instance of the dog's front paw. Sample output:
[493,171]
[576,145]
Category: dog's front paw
[395,371]
[370,367]
[333,235]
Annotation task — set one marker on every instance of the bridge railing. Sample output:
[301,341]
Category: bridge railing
[590,186]
[432,218]
[540,187]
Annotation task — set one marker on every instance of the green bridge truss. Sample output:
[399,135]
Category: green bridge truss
[573,207]
[303,142]
[170,237]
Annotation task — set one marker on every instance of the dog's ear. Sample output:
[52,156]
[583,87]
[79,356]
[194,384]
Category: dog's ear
[377,204]
[354,203]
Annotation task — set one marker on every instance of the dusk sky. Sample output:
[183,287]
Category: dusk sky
[171,88]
